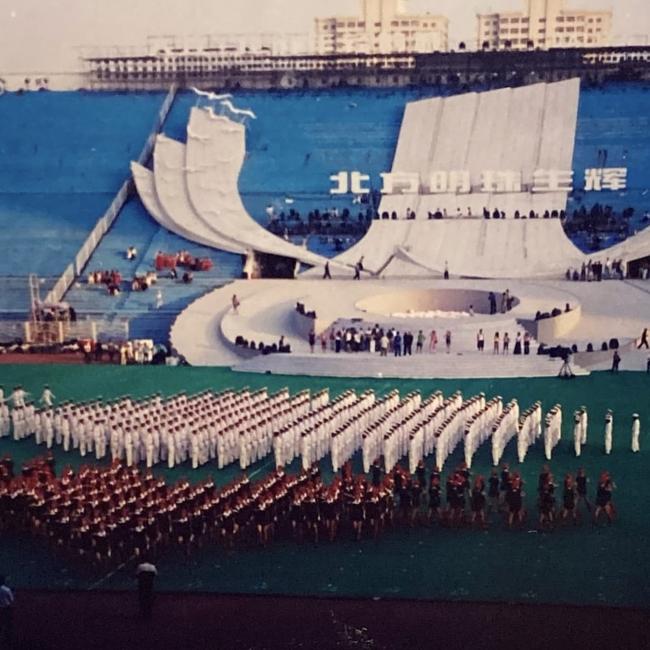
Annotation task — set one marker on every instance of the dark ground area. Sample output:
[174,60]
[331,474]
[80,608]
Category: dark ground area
[71,620]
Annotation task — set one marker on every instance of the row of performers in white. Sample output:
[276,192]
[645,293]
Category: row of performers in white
[245,427]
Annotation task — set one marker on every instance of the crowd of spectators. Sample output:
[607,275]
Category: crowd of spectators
[54,312]
[468,214]
[181,259]
[144,282]
[554,313]
[600,220]
[112,279]
[132,352]
[300,308]
[263,348]
[327,222]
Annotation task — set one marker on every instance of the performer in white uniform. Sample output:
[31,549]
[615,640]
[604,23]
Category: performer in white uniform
[636,430]
[47,398]
[577,432]
[583,423]
[609,427]
[18,397]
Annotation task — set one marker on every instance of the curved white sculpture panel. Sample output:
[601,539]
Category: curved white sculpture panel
[169,173]
[146,185]
[214,156]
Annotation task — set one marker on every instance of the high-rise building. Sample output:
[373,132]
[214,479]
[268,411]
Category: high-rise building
[544,24]
[383,27]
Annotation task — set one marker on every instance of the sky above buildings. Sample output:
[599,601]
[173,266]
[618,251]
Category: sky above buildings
[41,35]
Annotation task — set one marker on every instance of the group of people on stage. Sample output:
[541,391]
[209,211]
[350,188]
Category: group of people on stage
[596,271]
[390,341]
[501,344]
[113,514]
[377,339]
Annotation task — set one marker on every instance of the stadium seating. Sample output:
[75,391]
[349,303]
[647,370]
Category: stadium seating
[65,154]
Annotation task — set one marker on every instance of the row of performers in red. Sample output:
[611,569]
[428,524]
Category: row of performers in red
[115,513]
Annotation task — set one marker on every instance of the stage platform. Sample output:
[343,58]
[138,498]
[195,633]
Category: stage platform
[205,333]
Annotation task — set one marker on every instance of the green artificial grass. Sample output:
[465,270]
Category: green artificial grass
[578,565]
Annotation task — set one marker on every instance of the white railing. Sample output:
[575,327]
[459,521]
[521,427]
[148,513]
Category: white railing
[74,270]
[53,332]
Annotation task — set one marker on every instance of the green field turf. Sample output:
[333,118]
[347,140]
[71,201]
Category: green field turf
[577,565]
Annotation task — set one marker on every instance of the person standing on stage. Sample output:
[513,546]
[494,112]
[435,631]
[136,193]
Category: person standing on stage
[493,303]
[419,344]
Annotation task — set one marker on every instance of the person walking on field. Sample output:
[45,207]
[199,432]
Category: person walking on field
[6,613]
[146,575]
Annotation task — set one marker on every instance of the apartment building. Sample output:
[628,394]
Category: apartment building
[544,24]
[382,28]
